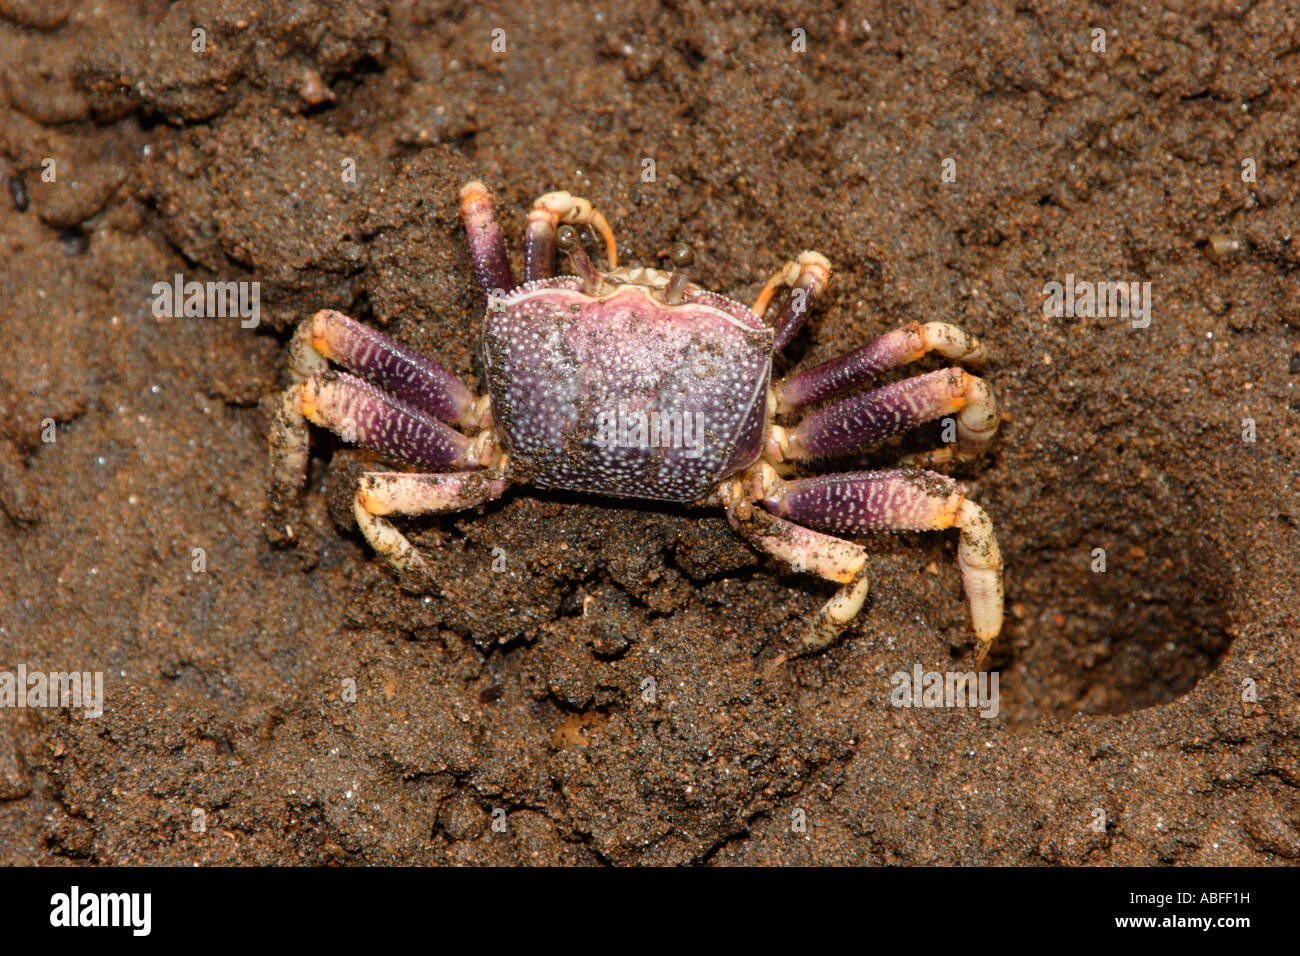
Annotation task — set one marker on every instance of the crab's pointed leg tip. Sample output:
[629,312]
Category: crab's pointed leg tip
[774,666]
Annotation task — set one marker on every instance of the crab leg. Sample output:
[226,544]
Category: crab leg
[807,276]
[486,243]
[539,247]
[814,552]
[862,420]
[358,412]
[547,213]
[786,275]
[894,348]
[905,501]
[393,492]
[385,363]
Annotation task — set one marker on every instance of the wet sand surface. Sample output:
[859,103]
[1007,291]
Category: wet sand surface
[609,694]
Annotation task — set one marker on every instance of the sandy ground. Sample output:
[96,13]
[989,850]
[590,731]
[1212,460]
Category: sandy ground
[1148,712]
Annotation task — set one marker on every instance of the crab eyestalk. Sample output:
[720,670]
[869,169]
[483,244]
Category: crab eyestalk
[682,258]
[571,244]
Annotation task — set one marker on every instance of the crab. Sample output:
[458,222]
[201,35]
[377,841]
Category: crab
[638,383]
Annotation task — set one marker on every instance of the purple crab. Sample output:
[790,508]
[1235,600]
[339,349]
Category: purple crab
[636,382]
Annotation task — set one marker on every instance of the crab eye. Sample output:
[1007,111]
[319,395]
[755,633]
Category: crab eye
[566,237]
[682,255]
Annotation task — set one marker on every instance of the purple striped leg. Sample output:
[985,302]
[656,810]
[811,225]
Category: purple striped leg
[905,501]
[487,245]
[397,376]
[862,420]
[890,350]
[394,492]
[548,212]
[359,412]
[389,365]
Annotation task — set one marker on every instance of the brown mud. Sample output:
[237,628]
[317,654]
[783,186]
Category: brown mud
[1161,696]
